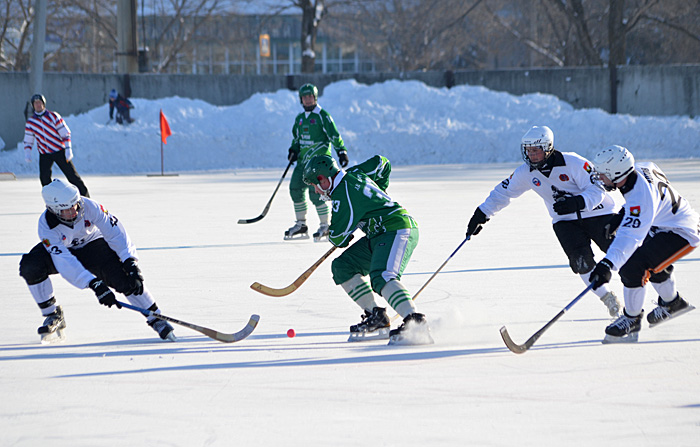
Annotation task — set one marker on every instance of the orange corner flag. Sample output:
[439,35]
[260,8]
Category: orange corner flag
[164,128]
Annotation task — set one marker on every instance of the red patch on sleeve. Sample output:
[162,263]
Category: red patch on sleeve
[635,210]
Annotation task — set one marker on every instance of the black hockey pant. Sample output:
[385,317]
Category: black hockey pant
[97,257]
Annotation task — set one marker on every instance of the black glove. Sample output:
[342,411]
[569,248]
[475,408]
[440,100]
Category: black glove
[613,224]
[134,275]
[104,295]
[476,222]
[293,155]
[568,205]
[601,273]
[343,158]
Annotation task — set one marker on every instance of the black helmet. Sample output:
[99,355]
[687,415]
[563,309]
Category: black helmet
[39,97]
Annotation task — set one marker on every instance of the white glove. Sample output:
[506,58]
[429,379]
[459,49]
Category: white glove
[28,155]
[69,153]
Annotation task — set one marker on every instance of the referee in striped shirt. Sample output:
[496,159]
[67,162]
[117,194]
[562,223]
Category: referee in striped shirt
[52,137]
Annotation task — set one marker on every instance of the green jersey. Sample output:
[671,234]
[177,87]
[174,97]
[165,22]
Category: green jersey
[358,202]
[314,132]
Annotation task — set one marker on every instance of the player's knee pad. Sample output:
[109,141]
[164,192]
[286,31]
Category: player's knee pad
[582,263]
[661,276]
[297,195]
[632,276]
[378,281]
[341,270]
[33,272]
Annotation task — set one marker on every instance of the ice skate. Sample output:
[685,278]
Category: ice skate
[413,331]
[52,329]
[298,231]
[322,233]
[163,328]
[375,325]
[667,310]
[611,302]
[624,330]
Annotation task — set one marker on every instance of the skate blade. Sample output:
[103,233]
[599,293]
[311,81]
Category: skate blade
[675,315]
[321,239]
[611,339]
[170,337]
[411,338]
[300,236]
[379,334]
[57,336]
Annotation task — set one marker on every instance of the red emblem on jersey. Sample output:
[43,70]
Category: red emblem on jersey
[587,167]
[313,121]
[103,209]
[564,177]
[87,223]
[536,181]
[46,242]
[635,210]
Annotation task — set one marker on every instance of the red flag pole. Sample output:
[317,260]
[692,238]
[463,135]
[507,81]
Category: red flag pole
[161,156]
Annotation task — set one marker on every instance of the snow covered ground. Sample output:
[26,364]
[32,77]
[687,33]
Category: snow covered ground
[114,383]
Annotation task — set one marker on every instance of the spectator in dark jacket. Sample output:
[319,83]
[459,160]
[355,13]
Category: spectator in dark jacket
[122,105]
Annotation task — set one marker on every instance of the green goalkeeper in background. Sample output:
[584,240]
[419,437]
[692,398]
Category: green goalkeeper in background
[314,132]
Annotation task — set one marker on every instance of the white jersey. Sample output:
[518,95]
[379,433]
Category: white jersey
[96,223]
[651,202]
[570,175]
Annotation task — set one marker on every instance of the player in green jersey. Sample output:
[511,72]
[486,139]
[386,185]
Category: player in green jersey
[314,131]
[359,200]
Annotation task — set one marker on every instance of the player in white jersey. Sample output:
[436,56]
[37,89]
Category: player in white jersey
[580,208]
[89,247]
[659,227]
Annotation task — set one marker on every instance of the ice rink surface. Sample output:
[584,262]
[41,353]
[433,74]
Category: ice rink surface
[113,382]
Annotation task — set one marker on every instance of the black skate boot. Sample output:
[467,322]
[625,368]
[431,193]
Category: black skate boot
[52,329]
[298,231]
[413,331]
[624,330]
[163,328]
[321,233]
[375,325]
[667,310]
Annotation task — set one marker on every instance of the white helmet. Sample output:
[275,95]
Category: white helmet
[60,195]
[541,137]
[616,162]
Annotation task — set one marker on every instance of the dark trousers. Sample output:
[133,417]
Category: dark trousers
[575,237]
[97,257]
[653,260]
[46,162]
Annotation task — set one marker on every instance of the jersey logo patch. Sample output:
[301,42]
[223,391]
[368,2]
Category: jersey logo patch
[87,223]
[46,242]
[563,177]
[313,121]
[635,210]
[536,181]
[587,167]
[102,208]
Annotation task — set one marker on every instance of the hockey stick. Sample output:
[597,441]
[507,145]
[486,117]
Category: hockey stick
[267,207]
[519,349]
[436,272]
[216,335]
[265,290]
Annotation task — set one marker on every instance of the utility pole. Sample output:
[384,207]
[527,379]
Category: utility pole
[39,37]
[127,54]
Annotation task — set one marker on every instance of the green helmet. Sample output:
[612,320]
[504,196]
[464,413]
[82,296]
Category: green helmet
[308,89]
[319,165]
